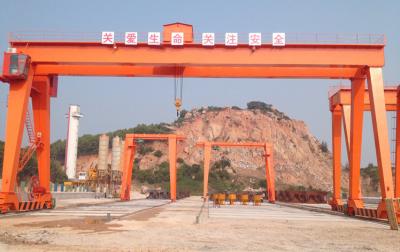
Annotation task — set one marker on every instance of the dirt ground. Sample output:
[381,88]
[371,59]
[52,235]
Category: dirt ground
[173,227]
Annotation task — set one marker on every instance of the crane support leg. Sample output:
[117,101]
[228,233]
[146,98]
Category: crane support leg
[41,114]
[207,160]
[336,152]
[377,100]
[356,125]
[129,152]
[346,112]
[172,166]
[397,172]
[269,174]
[17,106]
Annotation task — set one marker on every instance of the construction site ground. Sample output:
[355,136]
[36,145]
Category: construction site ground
[188,225]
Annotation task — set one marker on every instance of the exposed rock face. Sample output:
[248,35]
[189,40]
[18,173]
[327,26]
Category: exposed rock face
[298,156]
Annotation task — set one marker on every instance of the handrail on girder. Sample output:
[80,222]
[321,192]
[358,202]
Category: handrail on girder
[291,37]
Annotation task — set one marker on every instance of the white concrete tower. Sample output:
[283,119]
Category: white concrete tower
[71,150]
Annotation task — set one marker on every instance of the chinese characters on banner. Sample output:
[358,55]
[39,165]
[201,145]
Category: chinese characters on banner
[107,38]
[231,39]
[208,39]
[255,39]
[278,39]
[153,38]
[177,38]
[131,38]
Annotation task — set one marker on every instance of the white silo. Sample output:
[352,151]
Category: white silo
[116,154]
[71,149]
[102,163]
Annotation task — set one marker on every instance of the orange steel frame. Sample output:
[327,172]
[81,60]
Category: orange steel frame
[269,169]
[357,62]
[129,152]
[341,107]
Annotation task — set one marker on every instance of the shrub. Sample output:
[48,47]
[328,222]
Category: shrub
[158,153]
[143,149]
[57,173]
[259,105]
[214,108]
[324,147]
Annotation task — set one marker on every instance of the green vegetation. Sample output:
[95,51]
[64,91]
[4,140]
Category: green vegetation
[190,177]
[29,170]
[324,147]
[181,117]
[264,107]
[371,171]
[259,105]
[262,183]
[214,108]
[144,149]
[57,174]
[89,144]
[221,180]
[156,175]
[158,153]
[57,150]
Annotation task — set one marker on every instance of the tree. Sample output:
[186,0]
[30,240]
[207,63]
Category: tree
[57,173]
[158,153]
[324,147]
[259,105]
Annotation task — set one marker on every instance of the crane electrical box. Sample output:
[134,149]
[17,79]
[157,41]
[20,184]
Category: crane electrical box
[16,66]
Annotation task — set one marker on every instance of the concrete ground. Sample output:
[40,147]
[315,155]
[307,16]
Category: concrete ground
[156,225]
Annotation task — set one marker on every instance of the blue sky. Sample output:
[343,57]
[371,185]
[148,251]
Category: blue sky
[113,103]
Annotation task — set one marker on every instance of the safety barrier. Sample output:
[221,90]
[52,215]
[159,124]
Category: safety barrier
[243,198]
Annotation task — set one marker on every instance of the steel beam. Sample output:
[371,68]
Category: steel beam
[377,96]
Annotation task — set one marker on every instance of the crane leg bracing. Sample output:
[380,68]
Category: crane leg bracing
[39,88]
[129,152]
[269,169]
[360,63]
[348,105]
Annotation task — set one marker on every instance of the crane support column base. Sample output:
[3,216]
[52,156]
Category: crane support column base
[9,202]
[353,205]
[336,204]
[382,211]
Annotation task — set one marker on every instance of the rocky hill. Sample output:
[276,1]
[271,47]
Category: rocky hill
[299,158]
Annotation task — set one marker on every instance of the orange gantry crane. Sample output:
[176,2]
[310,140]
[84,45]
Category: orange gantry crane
[269,169]
[129,152]
[32,67]
[345,102]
